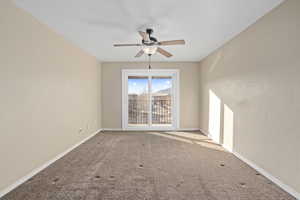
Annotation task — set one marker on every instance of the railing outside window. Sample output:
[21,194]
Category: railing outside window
[138,109]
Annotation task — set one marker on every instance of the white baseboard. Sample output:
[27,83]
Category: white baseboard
[37,170]
[112,129]
[188,129]
[250,163]
[282,185]
[180,129]
[205,132]
[227,149]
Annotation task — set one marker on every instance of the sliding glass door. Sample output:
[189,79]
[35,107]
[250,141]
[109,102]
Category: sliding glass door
[138,100]
[161,100]
[150,99]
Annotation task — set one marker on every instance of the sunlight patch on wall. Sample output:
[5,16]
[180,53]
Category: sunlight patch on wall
[214,116]
[228,128]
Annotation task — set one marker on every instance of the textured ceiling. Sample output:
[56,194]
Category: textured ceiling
[95,25]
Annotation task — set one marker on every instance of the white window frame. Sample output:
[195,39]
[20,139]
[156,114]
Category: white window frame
[175,96]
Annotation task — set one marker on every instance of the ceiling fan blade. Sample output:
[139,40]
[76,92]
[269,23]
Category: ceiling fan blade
[127,45]
[164,52]
[139,54]
[144,35]
[172,42]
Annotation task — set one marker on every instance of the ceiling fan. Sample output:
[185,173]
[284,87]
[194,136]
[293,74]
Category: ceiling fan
[150,45]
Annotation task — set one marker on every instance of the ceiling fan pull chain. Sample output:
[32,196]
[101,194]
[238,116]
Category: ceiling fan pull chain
[149,61]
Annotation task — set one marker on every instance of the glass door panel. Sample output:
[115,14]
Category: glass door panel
[161,100]
[138,101]
[150,99]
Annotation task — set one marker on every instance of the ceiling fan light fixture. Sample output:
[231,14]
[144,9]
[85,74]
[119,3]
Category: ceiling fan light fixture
[150,45]
[150,50]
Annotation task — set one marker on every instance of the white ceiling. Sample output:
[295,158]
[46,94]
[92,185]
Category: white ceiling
[95,25]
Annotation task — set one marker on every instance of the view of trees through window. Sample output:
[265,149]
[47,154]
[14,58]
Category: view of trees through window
[138,100]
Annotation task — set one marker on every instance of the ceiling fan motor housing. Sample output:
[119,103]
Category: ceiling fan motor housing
[149,31]
[152,41]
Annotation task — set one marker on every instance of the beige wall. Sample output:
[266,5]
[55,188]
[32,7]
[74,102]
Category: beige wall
[257,77]
[49,90]
[112,91]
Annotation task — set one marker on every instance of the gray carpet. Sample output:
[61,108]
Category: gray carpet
[148,165]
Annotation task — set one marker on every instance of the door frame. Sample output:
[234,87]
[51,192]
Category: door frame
[175,96]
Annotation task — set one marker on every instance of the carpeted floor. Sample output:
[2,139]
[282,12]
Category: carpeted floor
[148,165]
